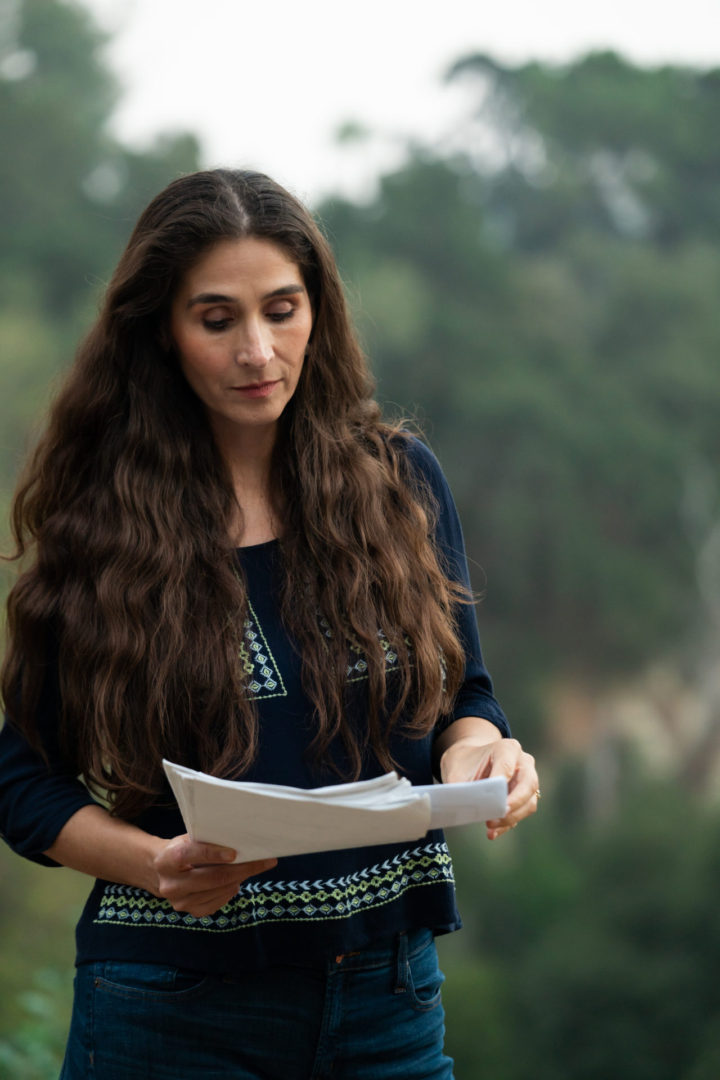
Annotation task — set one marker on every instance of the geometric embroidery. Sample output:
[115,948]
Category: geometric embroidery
[262,676]
[262,902]
[263,680]
[357,668]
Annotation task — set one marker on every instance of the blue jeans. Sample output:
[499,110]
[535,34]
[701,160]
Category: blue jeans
[371,1015]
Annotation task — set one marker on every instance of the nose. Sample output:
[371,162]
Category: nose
[254,344]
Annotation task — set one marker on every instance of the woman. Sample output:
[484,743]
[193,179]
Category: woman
[238,566]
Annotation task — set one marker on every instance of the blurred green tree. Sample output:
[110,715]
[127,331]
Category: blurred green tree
[562,351]
[70,195]
[598,144]
[590,951]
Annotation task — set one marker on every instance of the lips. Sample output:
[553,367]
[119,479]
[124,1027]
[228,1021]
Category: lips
[253,390]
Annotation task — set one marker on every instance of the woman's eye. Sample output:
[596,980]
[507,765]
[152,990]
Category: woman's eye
[216,324]
[281,314]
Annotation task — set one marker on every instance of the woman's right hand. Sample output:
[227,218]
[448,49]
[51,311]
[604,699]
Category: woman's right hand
[193,877]
[201,878]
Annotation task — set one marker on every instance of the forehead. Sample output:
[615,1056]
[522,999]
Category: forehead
[248,262]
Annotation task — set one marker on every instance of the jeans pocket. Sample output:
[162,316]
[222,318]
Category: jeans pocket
[425,978]
[148,980]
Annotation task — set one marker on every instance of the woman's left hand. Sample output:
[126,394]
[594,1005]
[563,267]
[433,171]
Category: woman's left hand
[473,758]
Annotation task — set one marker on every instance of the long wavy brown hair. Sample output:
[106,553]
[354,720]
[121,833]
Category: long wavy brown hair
[123,518]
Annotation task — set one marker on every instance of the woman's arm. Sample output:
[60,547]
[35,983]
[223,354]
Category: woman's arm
[472,748]
[475,744]
[191,876]
[48,815]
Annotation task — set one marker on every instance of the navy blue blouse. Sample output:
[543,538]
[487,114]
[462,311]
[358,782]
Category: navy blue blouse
[308,906]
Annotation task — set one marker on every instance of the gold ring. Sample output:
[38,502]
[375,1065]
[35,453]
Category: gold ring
[537,794]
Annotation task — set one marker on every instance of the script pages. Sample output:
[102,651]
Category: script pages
[269,820]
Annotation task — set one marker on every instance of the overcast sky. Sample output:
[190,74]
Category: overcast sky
[267,83]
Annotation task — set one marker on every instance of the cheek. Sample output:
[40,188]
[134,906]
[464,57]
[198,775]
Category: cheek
[200,365]
[299,364]
[301,329]
[197,358]
[300,345]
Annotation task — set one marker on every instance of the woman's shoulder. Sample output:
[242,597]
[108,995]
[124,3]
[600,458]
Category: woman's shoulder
[419,458]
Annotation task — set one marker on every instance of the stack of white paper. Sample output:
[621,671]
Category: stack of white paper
[264,820]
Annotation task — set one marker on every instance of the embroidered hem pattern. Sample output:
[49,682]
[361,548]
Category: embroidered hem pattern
[262,902]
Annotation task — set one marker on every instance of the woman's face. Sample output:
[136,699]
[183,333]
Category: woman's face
[241,321]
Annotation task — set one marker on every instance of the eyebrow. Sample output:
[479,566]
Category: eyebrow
[221,298]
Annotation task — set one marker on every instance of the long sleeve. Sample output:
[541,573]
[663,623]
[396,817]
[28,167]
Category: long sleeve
[476,696]
[36,797]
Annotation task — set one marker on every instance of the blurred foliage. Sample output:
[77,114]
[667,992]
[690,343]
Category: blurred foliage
[600,144]
[70,195]
[544,299]
[559,330]
[590,948]
[38,911]
[34,1048]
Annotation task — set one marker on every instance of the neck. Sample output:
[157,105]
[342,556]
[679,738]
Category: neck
[248,455]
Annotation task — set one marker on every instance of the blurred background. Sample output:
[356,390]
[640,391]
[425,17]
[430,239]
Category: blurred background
[525,205]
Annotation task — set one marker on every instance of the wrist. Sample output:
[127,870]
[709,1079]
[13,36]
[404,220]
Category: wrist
[464,749]
[468,731]
[96,843]
[152,848]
